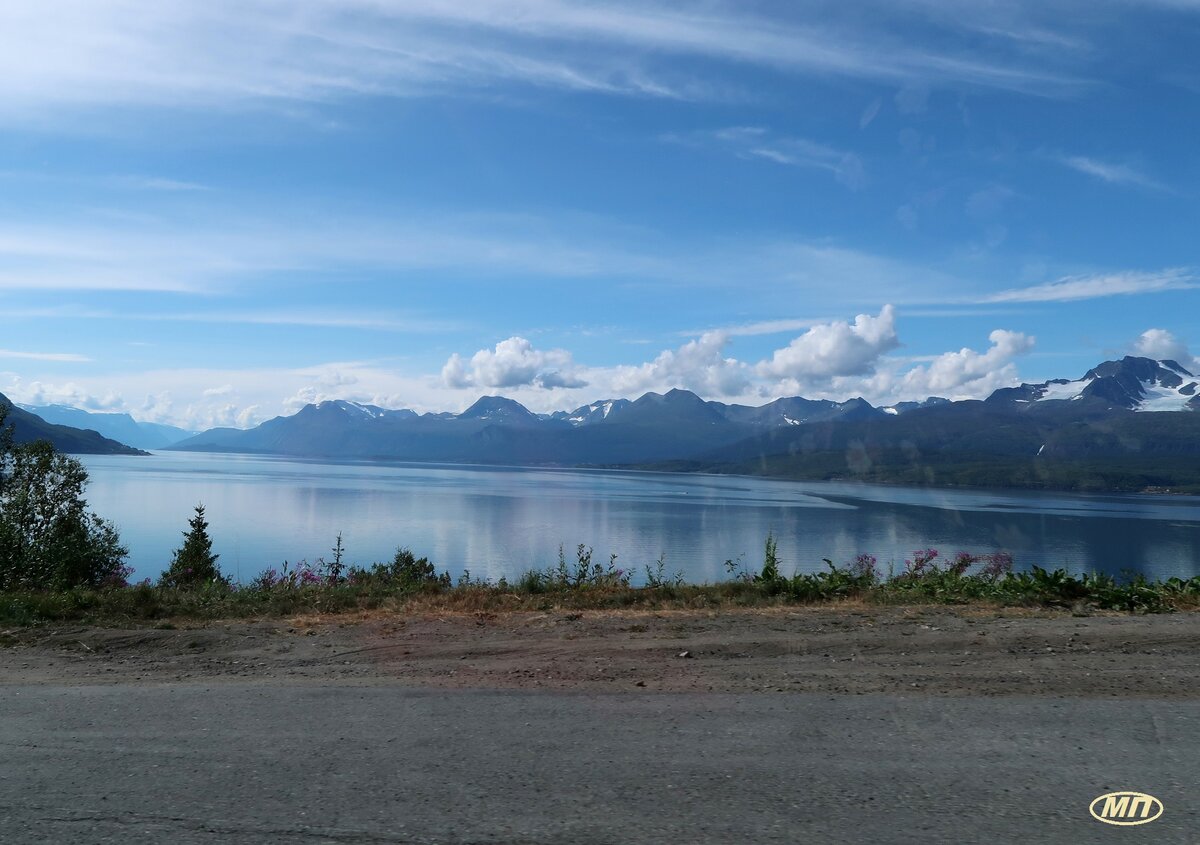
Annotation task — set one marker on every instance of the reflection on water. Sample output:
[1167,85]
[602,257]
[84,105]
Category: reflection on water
[501,521]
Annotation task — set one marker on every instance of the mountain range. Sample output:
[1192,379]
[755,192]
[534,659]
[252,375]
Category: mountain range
[1090,433]
[27,427]
[114,426]
[1094,432]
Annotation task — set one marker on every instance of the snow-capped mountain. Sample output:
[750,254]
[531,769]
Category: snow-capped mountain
[796,410]
[589,414]
[359,410]
[1136,384]
[1066,432]
[904,407]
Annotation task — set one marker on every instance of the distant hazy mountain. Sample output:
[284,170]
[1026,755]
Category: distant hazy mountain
[798,411]
[655,427]
[28,427]
[1084,433]
[120,427]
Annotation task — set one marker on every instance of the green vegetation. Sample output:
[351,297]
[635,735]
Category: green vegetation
[59,562]
[411,584]
[48,539]
[194,564]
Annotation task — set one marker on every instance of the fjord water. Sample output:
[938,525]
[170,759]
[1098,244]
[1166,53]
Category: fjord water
[500,521]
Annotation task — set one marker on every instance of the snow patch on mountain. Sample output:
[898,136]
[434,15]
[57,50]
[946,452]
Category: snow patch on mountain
[1063,390]
[1160,398]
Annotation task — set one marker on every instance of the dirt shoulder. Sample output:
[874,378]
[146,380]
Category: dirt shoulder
[846,649]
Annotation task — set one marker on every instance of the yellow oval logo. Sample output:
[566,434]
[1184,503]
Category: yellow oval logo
[1126,808]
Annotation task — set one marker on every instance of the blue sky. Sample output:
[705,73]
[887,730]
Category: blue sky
[213,212]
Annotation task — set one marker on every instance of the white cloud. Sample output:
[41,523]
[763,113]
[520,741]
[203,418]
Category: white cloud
[157,183]
[760,327]
[44,356]
[833,360]
[200,256]
[513,363]
[63,55]
[1113,173]
[1100,285]
[699,365]
[754,142]
[834,349]
[1161,345]
[966,373]
[69,393]
[869,113]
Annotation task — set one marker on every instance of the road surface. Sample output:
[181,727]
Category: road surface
[312,762]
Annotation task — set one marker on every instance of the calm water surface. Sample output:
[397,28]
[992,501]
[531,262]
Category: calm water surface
[502,521]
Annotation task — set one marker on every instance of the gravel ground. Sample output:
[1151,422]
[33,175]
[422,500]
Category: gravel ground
[843,650]
[848,724]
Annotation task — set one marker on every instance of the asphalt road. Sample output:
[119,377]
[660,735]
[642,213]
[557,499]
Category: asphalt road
[382,764]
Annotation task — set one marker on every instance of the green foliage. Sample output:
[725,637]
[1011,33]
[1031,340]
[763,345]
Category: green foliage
[405,572]
[585,584]
[770,570]
[657,578]
[582,575]
[194,564]
[48,539]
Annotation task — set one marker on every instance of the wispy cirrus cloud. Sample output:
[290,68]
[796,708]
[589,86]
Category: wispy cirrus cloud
[1073,288]
[220,252]
[756,142]
[760,327]
[178,255]
[44,356]
[67,54]
[331,319]
[1112,172]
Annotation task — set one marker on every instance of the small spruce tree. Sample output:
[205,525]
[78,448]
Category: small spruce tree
[194,563]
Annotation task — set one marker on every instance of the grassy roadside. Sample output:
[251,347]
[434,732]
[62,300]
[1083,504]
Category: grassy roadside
[409,585]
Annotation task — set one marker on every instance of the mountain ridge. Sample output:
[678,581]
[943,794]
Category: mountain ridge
[1097,418]
[28,427]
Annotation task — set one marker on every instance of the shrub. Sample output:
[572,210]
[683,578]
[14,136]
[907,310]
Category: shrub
[406,572]
[48,539]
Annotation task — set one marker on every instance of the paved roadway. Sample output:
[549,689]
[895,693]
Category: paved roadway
[338,764]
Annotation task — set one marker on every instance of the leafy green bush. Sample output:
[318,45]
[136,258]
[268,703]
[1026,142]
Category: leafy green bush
[406,571]
[48,539]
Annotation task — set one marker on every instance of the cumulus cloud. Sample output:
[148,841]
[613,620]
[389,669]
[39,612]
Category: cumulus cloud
[70,393]
[829,360]
[1161,345]
[513,363]
[967,373]
[699,365]
[834,349]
